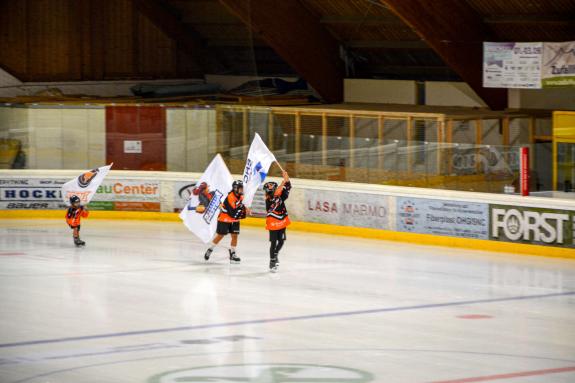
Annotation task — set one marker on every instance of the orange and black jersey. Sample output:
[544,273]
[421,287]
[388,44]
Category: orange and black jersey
[277,215]
[74,215]
[232,209]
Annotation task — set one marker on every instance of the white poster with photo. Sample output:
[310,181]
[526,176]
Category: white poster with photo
[512,65]
[558,64]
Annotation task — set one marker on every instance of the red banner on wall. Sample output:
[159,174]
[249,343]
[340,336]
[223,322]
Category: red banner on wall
[524,175]
[136,137]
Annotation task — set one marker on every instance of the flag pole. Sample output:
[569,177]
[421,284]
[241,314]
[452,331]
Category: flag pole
[282,169]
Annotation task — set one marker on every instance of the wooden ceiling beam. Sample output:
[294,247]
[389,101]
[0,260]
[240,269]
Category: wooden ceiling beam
[456,33]
[367,20]
[410,70]
[236,43]
[299,38]
[387,44]
[529,19]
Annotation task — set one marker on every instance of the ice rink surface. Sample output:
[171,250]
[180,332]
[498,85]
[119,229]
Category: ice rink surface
[139,304]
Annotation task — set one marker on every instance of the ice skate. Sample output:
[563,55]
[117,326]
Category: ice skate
[233,257]
[79,243]
[207,254]
[274,263]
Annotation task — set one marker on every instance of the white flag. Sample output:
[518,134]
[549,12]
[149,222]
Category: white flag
[257,166]
[85,185]
[200,215]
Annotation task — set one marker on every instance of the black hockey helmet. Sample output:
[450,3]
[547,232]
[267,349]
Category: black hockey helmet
[238,187]
[270,188]
[74,200]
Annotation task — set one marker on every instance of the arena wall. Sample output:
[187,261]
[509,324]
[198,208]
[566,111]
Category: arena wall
[529,225]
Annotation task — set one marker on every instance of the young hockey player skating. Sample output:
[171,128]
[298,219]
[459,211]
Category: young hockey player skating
[74,215]
[277,217]
[232,210]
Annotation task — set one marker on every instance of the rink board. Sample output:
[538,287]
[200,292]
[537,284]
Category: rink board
[508,223]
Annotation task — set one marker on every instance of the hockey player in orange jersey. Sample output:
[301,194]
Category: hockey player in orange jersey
[74,216]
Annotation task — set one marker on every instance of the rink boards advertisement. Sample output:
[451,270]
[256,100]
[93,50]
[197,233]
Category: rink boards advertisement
[345,209]
[439,217]
[462,219]
[529,225]
[46,194]
[127,195]
[31,194]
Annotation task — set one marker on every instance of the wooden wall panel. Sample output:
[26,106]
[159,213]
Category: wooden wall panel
[50,40]
[156,54]
[119,38]
[187,66]
[13,37]
[72,40]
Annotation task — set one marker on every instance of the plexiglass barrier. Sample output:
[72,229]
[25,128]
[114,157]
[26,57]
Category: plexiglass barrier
[479,154]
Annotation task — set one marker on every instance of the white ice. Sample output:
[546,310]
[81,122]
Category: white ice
[139,304]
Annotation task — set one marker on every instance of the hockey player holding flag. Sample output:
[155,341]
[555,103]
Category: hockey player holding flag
[215,208]
[201,211]
[260,158]
[78,193]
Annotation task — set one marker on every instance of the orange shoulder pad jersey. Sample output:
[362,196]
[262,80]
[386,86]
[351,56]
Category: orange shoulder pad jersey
[232,209]
[74,216]
[277,215]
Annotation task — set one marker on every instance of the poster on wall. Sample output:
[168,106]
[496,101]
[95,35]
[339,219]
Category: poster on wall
[512,65]
[529,225]
[558,67]
[31,194]
[346,209]
[438,217]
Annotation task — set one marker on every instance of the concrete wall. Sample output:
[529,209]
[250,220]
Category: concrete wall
[443,93]
[7,80]
[549,98]
[57,138]
[380,91]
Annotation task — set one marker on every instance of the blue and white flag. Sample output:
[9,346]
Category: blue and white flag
[257,166]
[200,215]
